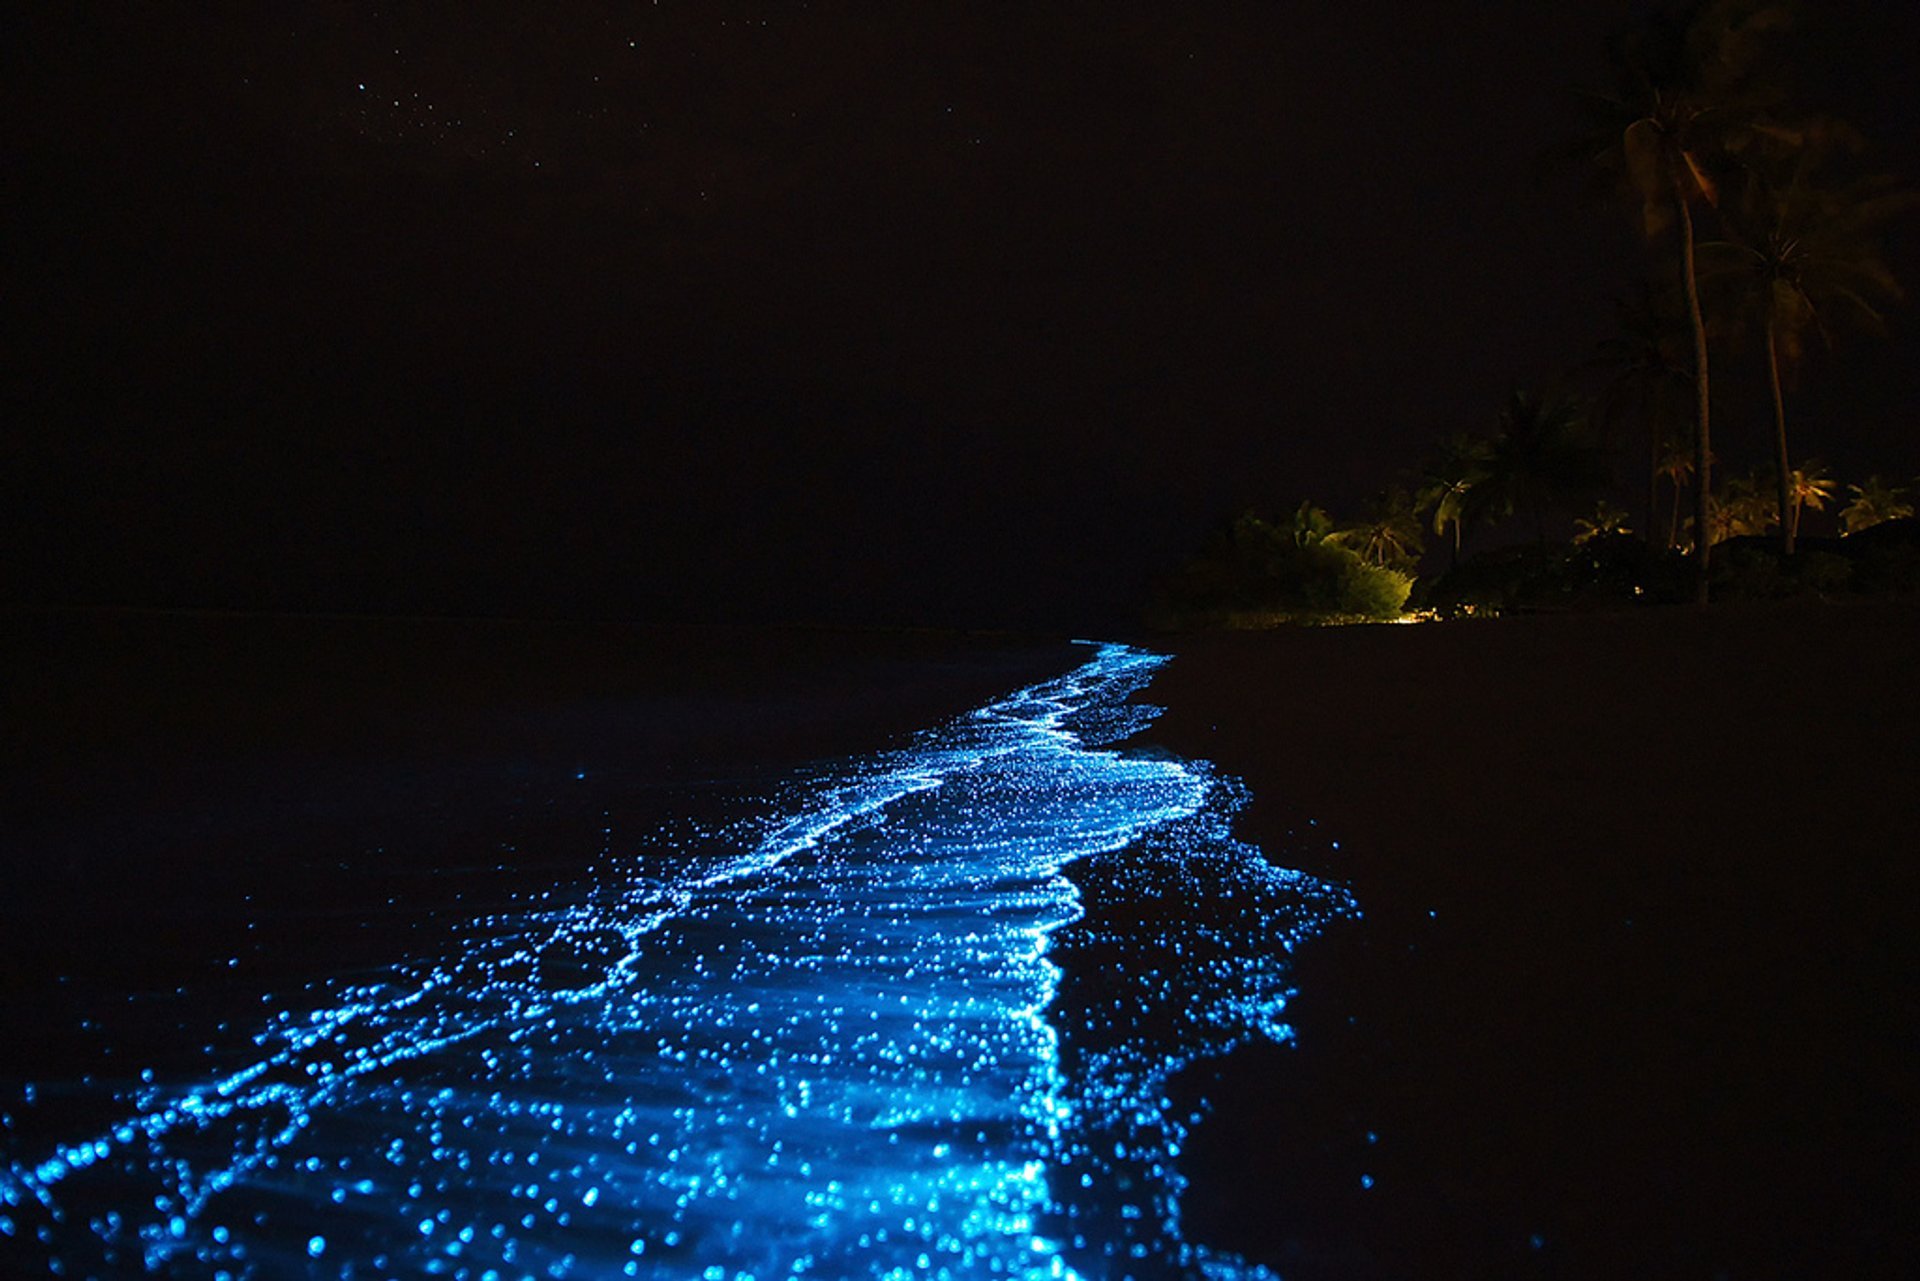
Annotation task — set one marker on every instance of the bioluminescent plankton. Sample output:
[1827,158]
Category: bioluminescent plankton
[839,1049]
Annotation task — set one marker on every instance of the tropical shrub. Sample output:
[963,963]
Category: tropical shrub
[1874,503]
[1260,573]
[1755,569]
[1608,571]
[1885,556]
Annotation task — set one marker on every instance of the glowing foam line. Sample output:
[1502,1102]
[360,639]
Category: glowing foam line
[834,1053]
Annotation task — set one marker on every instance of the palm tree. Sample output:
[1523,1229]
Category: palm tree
[1873,503]
[1743,510]
[1310,525]
[1446,481]
[1676,465]
[1606,521]
[1805,259]
[1684,89]
[1388,535]
[1540,457]
[1808,485]
[1649,378]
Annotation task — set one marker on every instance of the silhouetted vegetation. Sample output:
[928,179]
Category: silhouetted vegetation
[1874,503]
[1765,220]
[1610,571]
[1259,573]
[1801,259]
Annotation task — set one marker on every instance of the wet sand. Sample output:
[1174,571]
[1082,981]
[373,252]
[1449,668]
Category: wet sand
[1635,993]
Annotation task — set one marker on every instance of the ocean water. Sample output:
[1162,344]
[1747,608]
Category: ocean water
[915,1014]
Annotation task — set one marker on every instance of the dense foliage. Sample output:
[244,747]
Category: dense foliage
[1765,223]
[1257,573]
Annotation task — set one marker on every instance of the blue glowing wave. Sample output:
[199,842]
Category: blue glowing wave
[831,1052]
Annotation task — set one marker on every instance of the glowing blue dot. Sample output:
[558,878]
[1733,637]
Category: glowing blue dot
[316,1246]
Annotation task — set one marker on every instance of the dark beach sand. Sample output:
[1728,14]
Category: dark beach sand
[297,793]
[1635,994]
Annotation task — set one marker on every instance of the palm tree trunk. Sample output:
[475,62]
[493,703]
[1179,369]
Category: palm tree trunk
[1789,517]
[1653,475]
[1702,442]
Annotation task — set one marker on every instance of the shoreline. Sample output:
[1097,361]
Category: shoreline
[1613,1006]
[283,790]
[1608,1008]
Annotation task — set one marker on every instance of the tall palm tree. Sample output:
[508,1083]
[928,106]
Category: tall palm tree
[1445,483]
[1805,259]
[1676,465]
[1649,378]
[1685,87]
[1808,485]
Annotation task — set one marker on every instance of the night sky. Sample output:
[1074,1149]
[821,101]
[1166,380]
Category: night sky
[946,313]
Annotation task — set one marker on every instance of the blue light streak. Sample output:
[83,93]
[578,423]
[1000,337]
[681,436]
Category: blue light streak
[840,1049]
